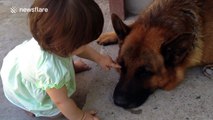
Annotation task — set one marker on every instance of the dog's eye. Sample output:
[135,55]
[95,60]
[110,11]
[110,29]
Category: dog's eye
[144,72]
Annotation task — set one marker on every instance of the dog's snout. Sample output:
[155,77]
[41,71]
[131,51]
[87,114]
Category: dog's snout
[120,97]
[128,100]
[120,101]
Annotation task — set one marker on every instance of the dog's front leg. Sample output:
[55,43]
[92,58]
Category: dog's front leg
[107,39]
[208,71]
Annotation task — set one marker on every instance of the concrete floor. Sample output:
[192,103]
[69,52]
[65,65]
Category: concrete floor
[192,100]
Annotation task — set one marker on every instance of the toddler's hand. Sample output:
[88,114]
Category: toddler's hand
[91,115]
[106,63]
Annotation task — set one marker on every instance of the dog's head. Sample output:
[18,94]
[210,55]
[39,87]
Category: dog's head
[150,59]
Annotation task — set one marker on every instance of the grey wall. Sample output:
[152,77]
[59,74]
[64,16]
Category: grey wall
[136,6]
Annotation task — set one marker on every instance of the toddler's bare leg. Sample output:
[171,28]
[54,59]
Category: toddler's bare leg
[80,66]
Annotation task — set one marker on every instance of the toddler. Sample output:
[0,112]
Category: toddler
[38,75]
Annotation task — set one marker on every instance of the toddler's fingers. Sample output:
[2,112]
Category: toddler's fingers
[92,112]
[96,118]
[107,68]
[114,65]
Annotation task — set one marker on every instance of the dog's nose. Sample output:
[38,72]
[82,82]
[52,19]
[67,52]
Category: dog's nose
[120,101]
[130,100]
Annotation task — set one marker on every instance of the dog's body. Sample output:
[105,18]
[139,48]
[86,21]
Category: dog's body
[207,57]
[167,38]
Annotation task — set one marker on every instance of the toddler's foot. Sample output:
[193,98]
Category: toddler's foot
[208,71]
[80,66]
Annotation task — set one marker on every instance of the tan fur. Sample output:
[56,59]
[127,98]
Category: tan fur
[207,57]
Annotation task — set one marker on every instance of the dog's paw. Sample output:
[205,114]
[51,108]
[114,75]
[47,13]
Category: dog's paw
[208,71]
[169,87]
[172,84]
[107,39]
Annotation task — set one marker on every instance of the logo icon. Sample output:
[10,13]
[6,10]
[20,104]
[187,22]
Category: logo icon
[13,10]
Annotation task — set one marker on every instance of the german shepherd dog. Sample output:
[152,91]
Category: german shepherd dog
[155,51]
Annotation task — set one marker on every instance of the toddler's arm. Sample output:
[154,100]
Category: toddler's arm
[67,106]
[87,52]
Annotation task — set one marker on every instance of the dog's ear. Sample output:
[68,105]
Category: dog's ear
[175,50]
[121,29]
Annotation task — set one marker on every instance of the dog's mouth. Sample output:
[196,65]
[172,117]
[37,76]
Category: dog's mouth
[128,101]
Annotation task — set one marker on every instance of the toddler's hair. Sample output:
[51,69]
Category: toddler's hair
[67,25]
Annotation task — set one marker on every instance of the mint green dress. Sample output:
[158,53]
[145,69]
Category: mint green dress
[28,71]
